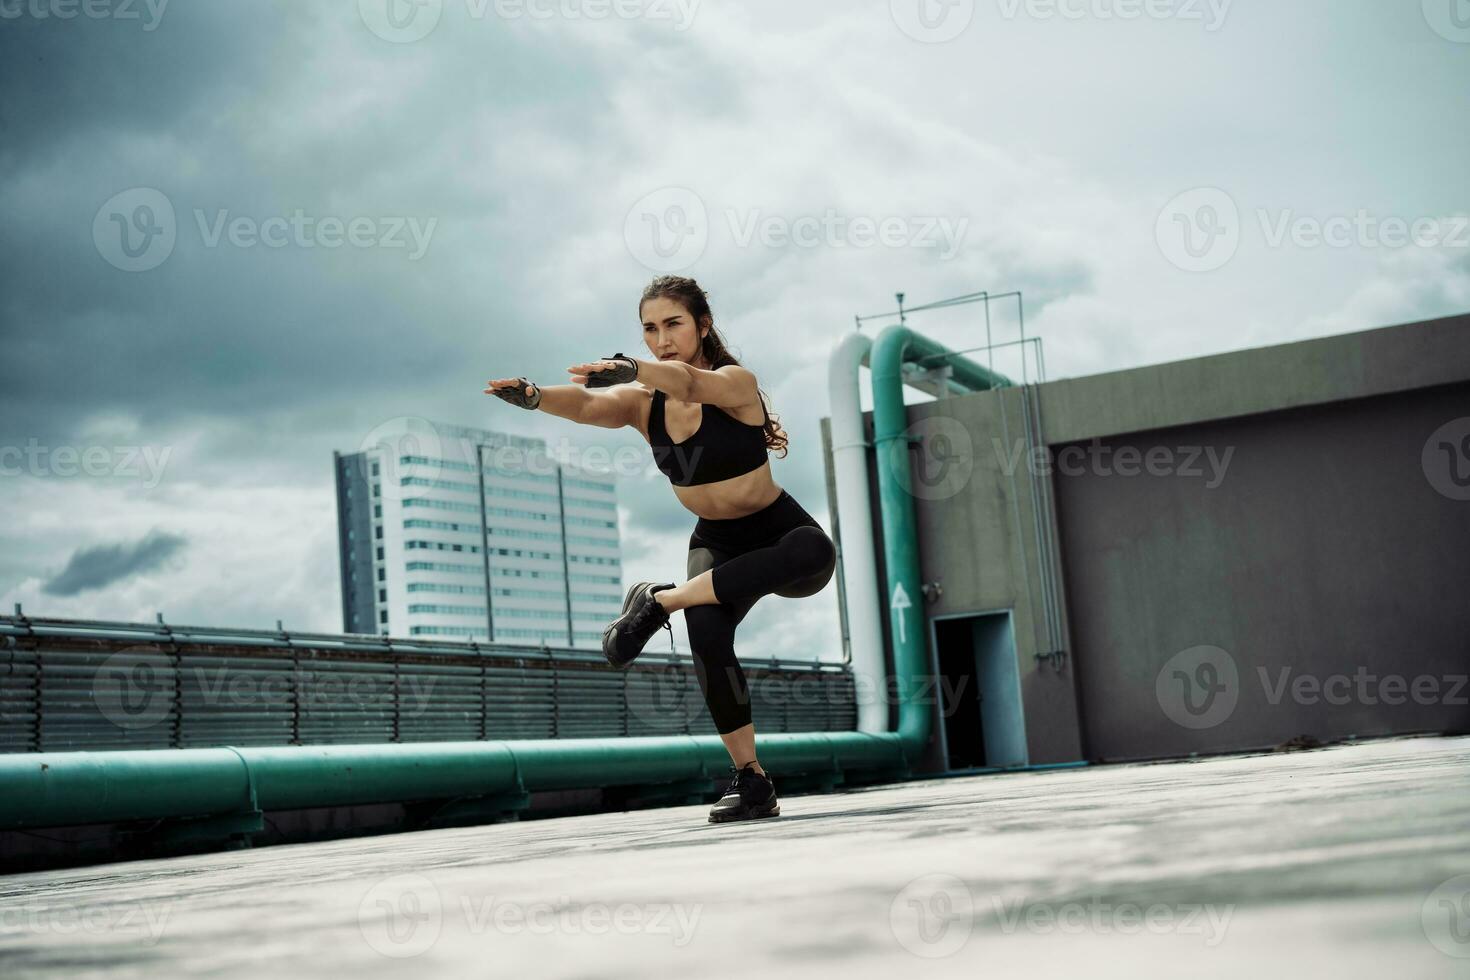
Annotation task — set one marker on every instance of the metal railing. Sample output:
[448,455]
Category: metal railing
[69,685]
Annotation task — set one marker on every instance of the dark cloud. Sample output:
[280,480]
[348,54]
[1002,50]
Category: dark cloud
[93,79]
[257,111]
[106,564]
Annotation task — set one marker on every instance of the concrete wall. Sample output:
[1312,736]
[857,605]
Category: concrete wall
[1311,543]
[1322,551]
[977,523]
[1315,540]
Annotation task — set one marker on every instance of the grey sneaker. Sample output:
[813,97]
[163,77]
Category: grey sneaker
[749,796]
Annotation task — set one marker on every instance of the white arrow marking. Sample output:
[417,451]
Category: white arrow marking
[899,604]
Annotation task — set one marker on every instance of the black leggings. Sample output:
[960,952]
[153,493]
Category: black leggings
[778,550]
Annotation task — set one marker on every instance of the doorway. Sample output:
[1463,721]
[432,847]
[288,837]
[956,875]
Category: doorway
[982,722]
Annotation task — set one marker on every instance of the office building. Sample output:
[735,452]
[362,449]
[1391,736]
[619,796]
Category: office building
[451,532]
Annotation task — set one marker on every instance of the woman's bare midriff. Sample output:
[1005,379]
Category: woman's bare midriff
[724,499]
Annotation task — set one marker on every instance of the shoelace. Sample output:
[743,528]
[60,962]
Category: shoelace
[734,786]
[642,617]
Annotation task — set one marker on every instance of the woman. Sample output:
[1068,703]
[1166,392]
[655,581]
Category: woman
[705,418]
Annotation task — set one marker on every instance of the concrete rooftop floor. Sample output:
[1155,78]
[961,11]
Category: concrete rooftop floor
[1351,861]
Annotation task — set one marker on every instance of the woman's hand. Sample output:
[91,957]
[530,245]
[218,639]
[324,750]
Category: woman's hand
[516,391]
[616,370]
[580,372]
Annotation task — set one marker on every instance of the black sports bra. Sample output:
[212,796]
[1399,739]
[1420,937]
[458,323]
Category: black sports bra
[722,447]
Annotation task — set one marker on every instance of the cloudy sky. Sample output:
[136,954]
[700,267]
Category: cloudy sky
[240,236]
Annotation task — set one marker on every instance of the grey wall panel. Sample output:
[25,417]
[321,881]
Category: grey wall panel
[1247,382]
[1325,552]
[978,539]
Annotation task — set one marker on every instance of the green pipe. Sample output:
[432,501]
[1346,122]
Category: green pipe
[49,789]
[903,595]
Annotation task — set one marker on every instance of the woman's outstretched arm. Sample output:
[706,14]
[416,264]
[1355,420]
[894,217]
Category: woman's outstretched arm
[573,402]
[730,386]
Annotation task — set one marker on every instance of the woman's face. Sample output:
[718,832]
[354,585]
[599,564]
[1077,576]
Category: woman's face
[670,332]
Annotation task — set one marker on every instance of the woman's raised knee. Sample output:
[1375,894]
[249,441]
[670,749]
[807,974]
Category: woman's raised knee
[813,563]
[811,551]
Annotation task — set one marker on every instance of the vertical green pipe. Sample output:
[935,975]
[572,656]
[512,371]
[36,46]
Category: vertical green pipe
[903,596]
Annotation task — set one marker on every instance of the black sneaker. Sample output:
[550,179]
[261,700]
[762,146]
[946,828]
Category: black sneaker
[642,616]
[750,795]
